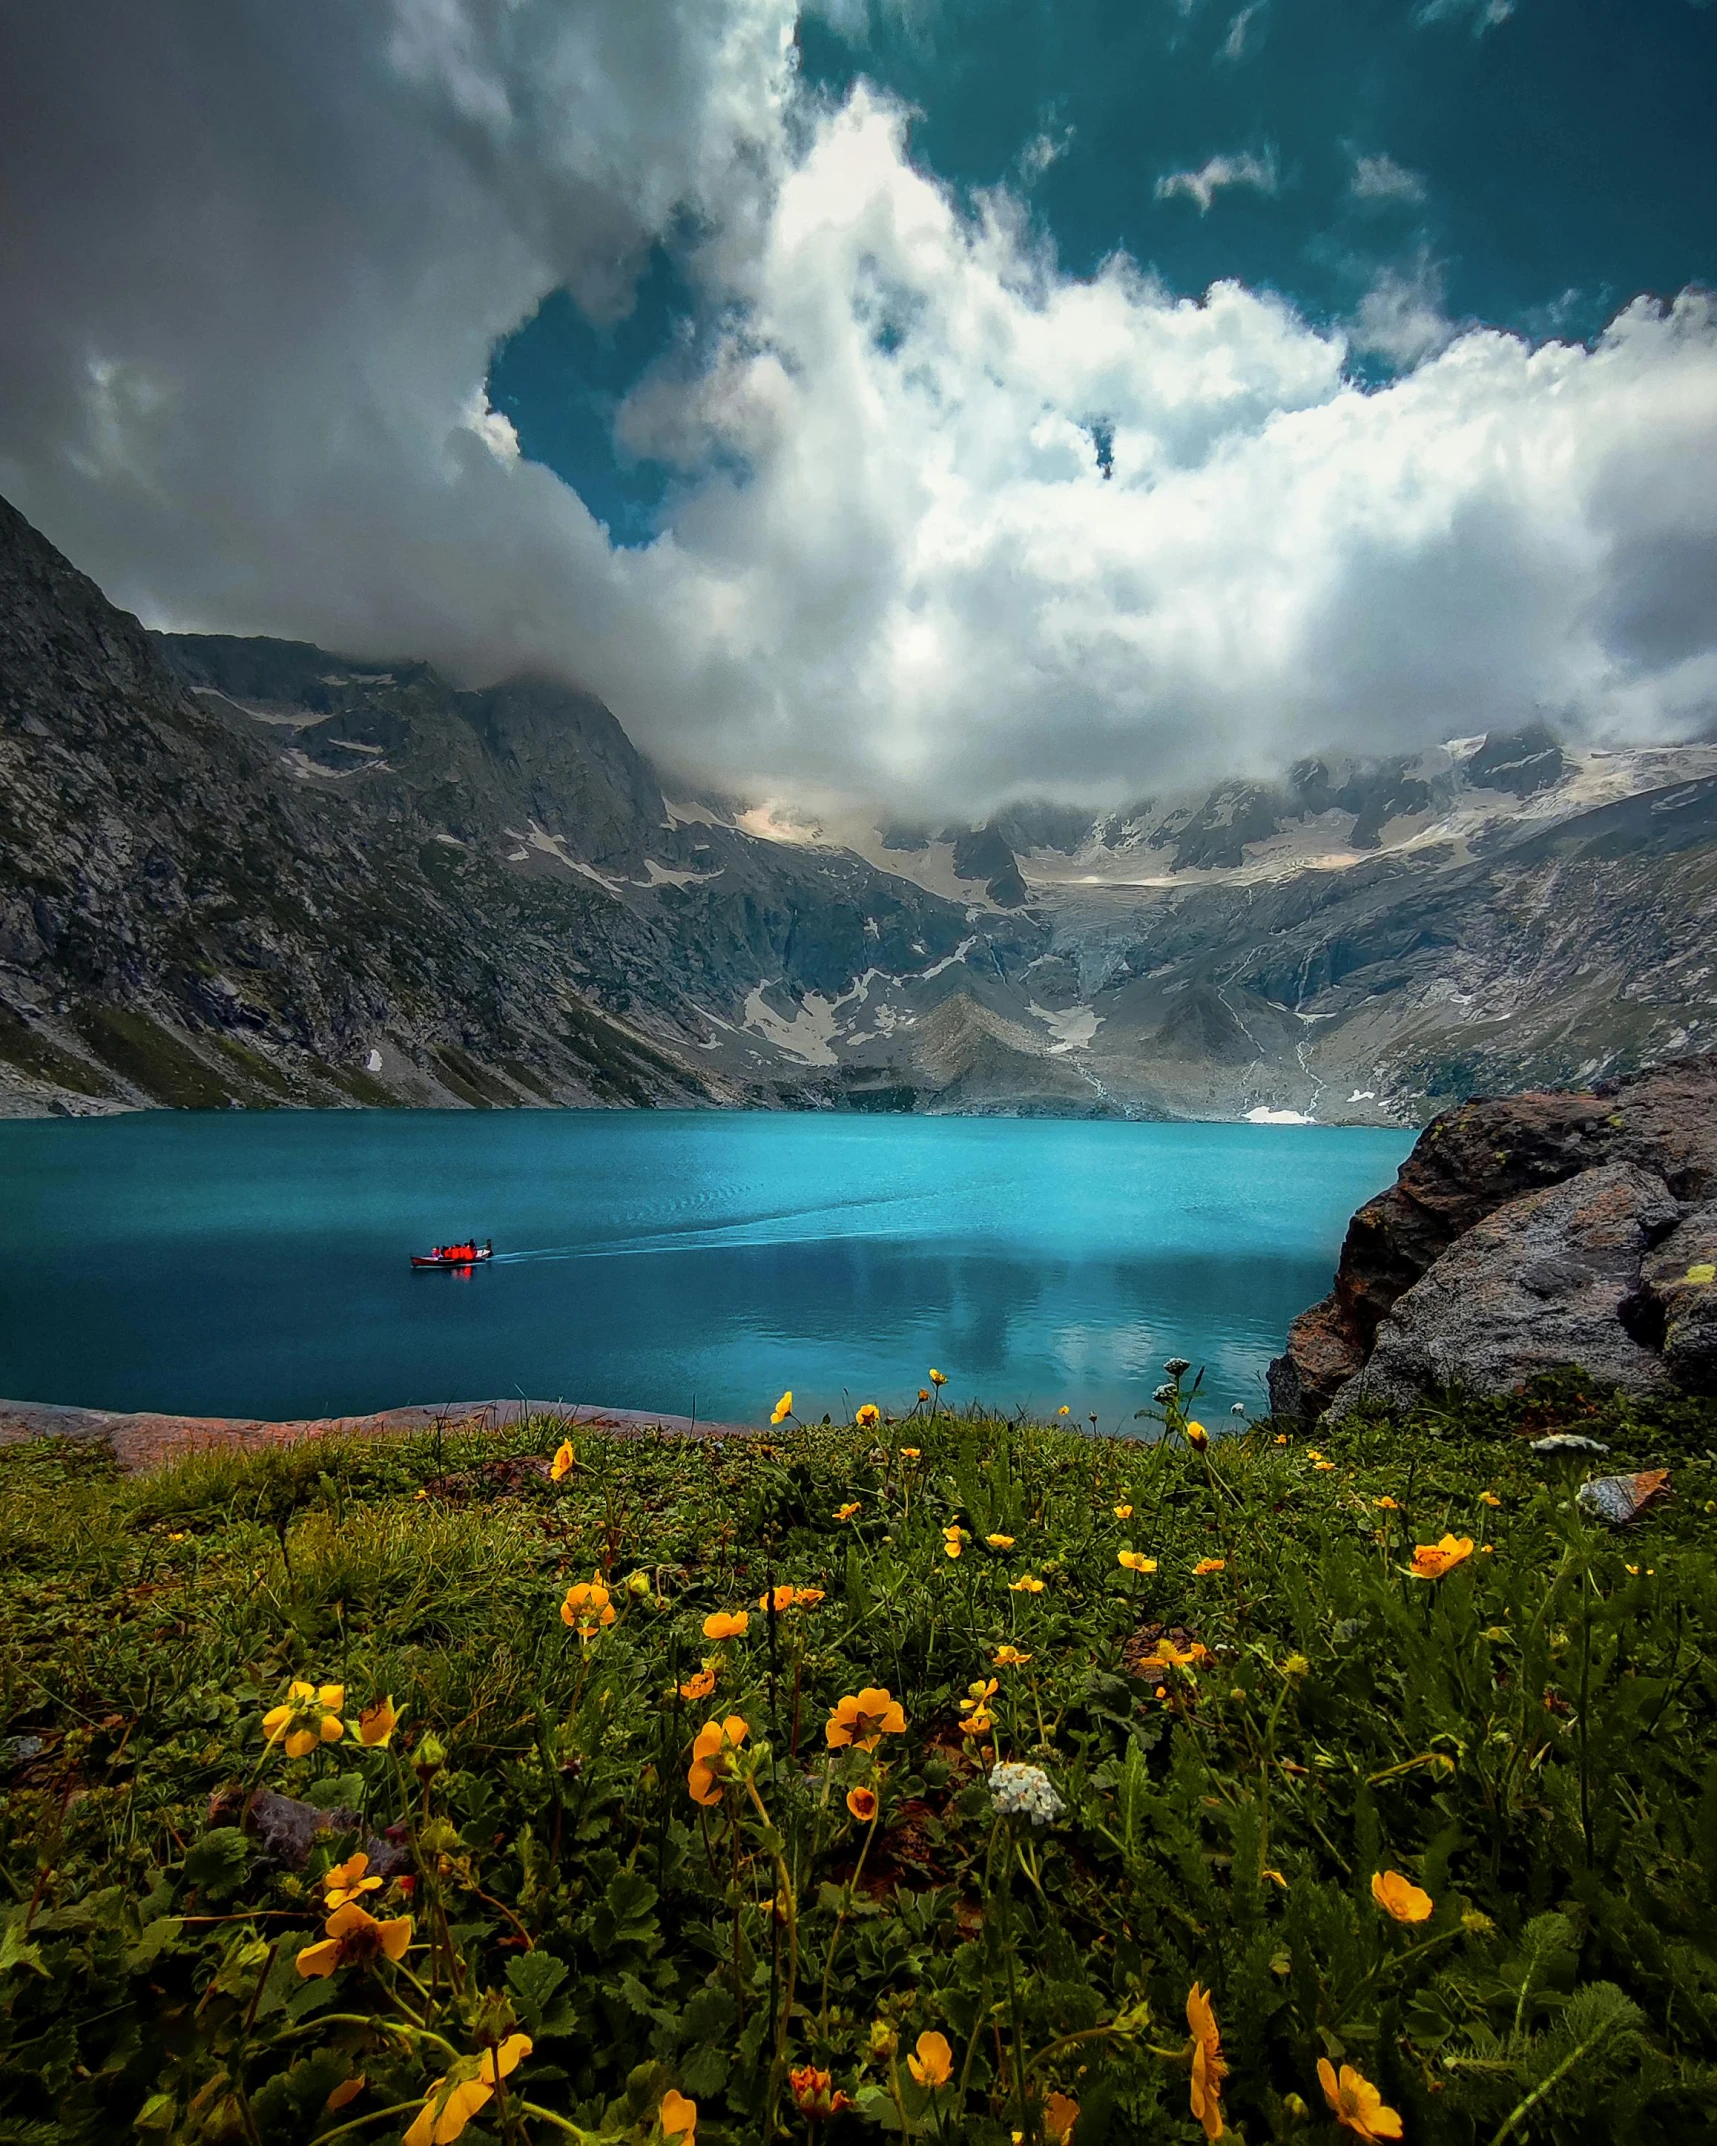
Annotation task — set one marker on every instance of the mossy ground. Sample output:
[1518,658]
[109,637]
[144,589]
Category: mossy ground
[1527,1740]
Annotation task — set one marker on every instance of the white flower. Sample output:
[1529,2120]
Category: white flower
[1163,1395]
[1176,1365]
[1025,1792]
[1238,1409]
[1568,1442]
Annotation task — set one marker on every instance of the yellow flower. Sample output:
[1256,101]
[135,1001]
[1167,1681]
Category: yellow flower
[1060,2114]
[1312,1453]
[355,1939]
[1209,1564]
[564,1462]
[862,1803]
[1168,1656]
[1432,1560]
[678,2117]
[347,1880]
[309,1715]
[453,2100]
[176,1535]
[1064,1410]
[1296,1666]
[713,1751]
[783,1408]
[1489,1497]
[1009,1658]
[910,1453]
[933,2063]
[1135,1561]
[868,1417]
[1325,1465]
[1281,1438]
[845,1512]
[954,1540]
[1000,1542]
[865,1718]
[374,1727]
[937,1378]
[1396,1896]
[978,1692]
[726,1624]
[1123,1512]
[1197,1436]
[1025,1585]
[588,1603]
[979,1722]
[699,1686]
[1356,2103]
[1386,1505]
[1208,2067]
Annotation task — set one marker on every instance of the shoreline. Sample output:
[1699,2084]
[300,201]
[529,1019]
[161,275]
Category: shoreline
[145,1438]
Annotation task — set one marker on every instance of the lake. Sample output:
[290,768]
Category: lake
[255,1264]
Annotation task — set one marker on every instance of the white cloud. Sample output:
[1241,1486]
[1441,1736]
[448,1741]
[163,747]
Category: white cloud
[1401,316]
[1380,178]
[1485,14]
[1207,182]
[1043,150]
[1234,44]
[496,431]
[892,568]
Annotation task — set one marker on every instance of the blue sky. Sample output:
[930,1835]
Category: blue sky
[1525,164]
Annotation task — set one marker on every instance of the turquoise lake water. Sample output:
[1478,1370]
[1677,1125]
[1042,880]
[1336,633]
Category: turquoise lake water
[255,1263]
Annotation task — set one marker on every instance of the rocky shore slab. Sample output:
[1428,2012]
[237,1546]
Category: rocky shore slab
[145,1440]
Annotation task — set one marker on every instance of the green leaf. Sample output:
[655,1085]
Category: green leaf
[158,1937]
[625,1915]
[533,1978]
[156,2114]
[215,1864]
[704,2071]
[15,1952]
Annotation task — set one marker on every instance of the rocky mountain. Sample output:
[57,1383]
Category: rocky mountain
[246,872]
[251,871]
[1526,1234]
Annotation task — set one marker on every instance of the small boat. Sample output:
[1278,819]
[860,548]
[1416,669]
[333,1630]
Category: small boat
[456,1257]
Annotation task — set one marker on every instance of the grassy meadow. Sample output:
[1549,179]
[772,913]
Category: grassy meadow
[541,1785]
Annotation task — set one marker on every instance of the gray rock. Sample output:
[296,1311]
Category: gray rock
[1550,1280]
[1681,1278]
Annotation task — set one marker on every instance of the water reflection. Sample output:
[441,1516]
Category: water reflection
[235,1264]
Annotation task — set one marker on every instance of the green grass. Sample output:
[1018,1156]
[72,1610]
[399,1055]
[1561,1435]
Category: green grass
[147,1054]
[43,1059]
[1528,1741]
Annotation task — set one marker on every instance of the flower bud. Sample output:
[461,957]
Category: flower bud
[638,1583]
[428,1756]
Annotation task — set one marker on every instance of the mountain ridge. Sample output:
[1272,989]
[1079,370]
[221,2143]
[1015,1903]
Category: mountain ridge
[247,871]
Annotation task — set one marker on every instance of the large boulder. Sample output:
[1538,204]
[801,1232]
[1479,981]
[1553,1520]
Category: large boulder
[1475,1161]
[1549,1280]
[1680,1277]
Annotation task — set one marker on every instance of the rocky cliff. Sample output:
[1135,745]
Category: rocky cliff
[1524,1234]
